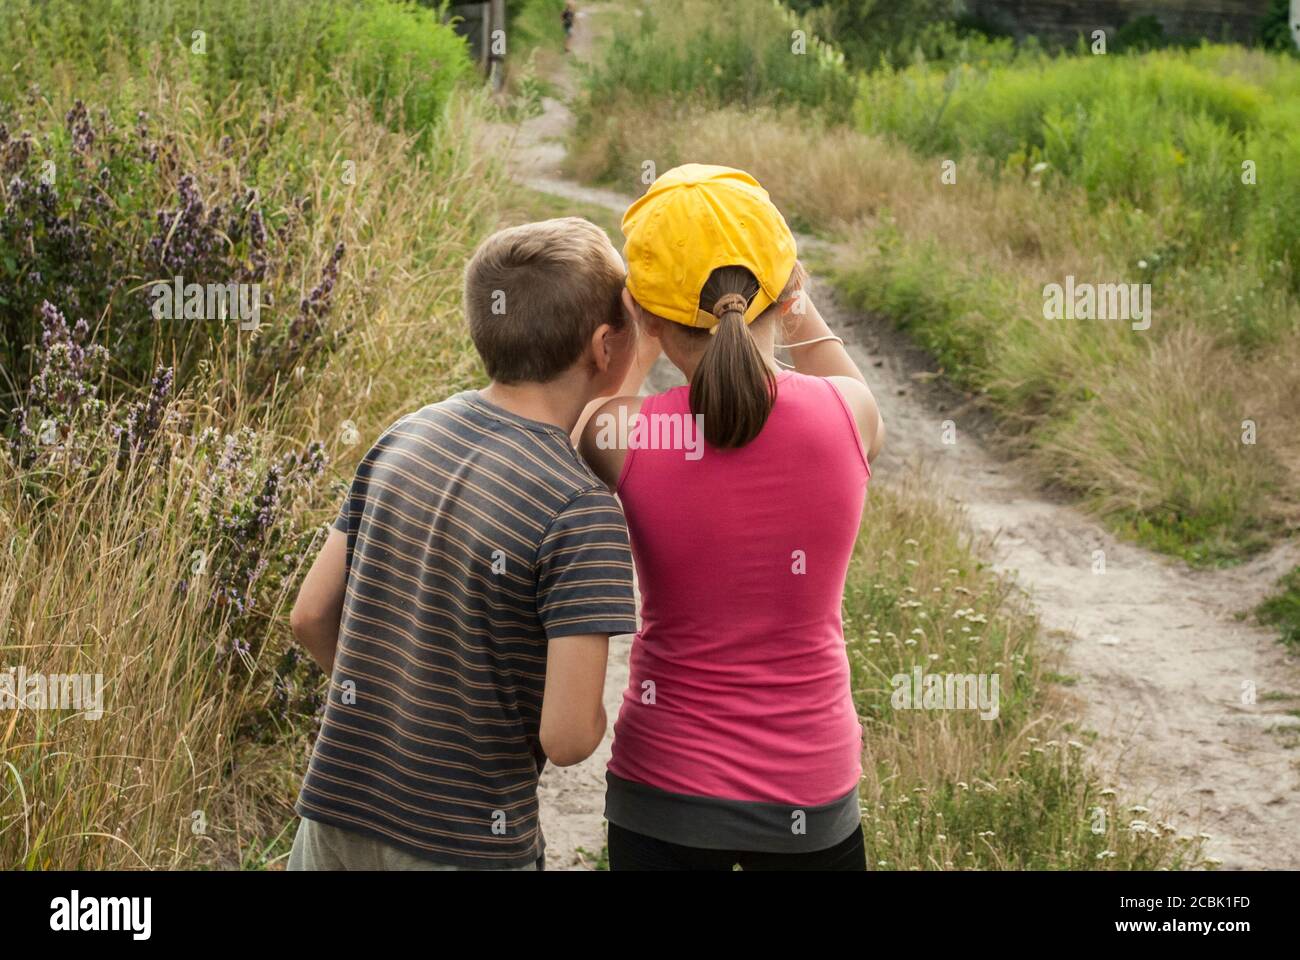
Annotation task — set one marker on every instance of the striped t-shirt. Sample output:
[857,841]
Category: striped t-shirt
[474,537]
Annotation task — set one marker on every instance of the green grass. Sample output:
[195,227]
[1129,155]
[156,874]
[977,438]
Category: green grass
[535,23]
[1282,610]
[1143,157]
[1167,132]
[734,51]
[398,55]
[949,789]
[209,704]
[1138,428]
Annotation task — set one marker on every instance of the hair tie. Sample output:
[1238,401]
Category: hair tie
[728,302]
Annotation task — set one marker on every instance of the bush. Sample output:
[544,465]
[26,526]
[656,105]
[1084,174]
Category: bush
[731,52]
[1165,132]
[164,482]
[535,23]
[400,55]
[1274,28]
[891,33]
[94,216]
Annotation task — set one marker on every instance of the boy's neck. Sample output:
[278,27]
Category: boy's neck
[559,402]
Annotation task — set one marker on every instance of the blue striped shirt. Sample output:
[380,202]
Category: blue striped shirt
[474,537]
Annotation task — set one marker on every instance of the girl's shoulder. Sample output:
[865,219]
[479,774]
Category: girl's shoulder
[842,406]
[603,443]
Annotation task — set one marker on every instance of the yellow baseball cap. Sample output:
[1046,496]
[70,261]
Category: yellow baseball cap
[694,219]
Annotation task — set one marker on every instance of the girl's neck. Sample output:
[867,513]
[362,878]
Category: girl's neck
[764,336]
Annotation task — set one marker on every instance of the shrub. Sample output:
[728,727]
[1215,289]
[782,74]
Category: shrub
[401,56]
[732,52]
[163,484]
[1166,132]
[93,217]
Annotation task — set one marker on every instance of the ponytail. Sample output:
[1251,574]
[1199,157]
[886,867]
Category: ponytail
[733,387]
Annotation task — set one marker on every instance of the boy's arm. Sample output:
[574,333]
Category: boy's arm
[319,607]
[584,595]
[573,707]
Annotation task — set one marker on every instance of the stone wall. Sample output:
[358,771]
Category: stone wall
[1213,19]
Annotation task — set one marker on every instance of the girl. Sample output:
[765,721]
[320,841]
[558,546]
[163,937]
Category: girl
[737,741]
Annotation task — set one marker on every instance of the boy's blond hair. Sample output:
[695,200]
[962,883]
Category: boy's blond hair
[534,294]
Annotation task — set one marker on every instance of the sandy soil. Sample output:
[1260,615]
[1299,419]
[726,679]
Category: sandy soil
[1159,652]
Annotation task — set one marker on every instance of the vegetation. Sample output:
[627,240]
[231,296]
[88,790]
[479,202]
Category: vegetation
[1109,169]
[692,53]
[955,789]
[164,482]
[1283,609]
[1163,168]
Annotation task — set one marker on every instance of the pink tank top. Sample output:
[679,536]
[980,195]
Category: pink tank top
[739,679]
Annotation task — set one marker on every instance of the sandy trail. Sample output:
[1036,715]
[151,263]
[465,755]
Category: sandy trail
[1160,656]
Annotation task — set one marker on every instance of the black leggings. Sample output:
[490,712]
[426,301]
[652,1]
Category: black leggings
[629,850]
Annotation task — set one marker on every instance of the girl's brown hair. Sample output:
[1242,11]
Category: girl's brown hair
[733,387]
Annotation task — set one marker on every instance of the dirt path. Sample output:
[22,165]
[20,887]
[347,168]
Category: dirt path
[1159,654]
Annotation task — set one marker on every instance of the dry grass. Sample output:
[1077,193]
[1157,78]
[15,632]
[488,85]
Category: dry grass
[1144,426]
[89,580]
[949,788]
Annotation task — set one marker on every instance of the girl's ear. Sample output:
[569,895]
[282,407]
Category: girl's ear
[630,307]
[644,319]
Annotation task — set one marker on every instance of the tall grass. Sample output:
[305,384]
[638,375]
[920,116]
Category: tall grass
[949,788]
[165,561]
[535,23]
[397,54]
[1167,132]
[749,52]
[1109,169]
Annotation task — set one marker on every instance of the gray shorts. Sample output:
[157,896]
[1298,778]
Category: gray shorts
[320,846]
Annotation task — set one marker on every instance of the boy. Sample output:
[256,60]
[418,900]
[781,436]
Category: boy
[465,596]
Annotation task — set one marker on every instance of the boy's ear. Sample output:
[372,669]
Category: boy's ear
[602,347]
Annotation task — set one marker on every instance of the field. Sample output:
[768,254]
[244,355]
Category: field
[1115,170]
[950,195]
[163,485]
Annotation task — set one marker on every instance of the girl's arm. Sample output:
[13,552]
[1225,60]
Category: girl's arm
[647,352]
[603,443]
[802,322]
[829,358]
